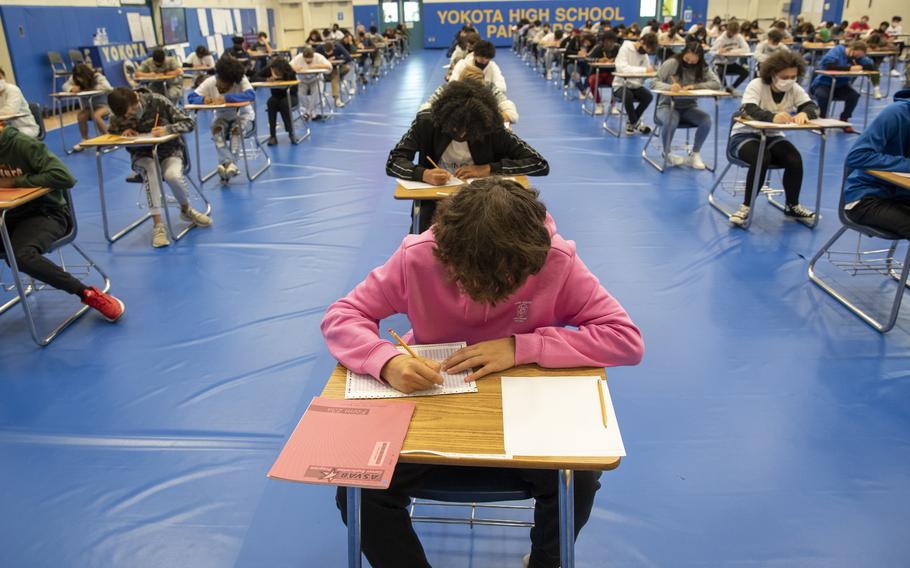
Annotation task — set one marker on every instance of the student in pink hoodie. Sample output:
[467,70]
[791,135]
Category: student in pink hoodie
[493,272]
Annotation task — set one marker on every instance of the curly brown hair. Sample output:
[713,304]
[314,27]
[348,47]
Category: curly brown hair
[777,62]
[491,237]
[468,106]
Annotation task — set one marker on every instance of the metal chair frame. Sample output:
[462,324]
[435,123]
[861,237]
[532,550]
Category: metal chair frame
[253,136]
[655,132]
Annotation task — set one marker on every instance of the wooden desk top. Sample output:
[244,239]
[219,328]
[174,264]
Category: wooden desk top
[817,45]
[153,77]
[116,140]
[197,69]
[275,84]
[471,423]
[846,73]
[877,52]
[735,54]
[15,196]
[895,178]
[219,106]
[63,94]
[693,94]
[438,193]
[650,75]
[811,125]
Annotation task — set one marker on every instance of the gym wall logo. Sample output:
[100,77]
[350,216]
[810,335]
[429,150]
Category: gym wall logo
[521,311]
[340,475]
[123,52]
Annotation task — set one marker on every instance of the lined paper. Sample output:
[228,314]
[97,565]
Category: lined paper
[365,386]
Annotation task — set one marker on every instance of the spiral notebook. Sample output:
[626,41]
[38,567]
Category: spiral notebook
[365,386]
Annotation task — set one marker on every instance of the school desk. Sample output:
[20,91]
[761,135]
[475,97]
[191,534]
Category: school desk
[246,163]
[673,96]
[287,85]
[865,87]
[471,423]
[901,181]
[57,108]
[100,143]
[310,76]
[625,93]
[886,54]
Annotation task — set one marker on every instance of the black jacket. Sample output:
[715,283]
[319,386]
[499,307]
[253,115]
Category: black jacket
[507,154]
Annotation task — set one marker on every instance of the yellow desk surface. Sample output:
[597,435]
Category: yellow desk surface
[439,193]
[15,196]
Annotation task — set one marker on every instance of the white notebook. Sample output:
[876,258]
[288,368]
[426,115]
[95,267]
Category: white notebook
[365,386]
[453,182]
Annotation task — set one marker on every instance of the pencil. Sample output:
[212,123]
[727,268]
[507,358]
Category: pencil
[435,165]
[402,343]
[156,121]
[603,404]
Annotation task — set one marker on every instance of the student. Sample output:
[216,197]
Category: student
[781,26]
[730,42]
[337,34]
[840,58]
[771,44]
[262,44]
[633,58]
[309,60]
[716,28]
[280,70]
[381,46]
[12,102]
[238,52]
[686,70]
[507,108]
[884,145]
[774,96]
[138,112]
[160,64]
[201,58]
[315,38]
[823,33]
[465,46]
[84,78]
[464,134]
[605,52]
[694,28]
[555,38]
[700,34]
[895,29]
[35,226]
[877,40]
[859,26]
[333,51]
[228,85]
[459,36]
[450,292]
[572,43]
[482,58]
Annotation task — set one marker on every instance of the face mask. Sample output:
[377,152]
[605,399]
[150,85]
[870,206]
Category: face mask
[2,85]
[688,65]
[784,85]
[481,65]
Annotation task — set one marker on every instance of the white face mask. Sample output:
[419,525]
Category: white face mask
[2,85]
[784,85]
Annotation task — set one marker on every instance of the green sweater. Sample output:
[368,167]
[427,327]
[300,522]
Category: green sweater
[33,165]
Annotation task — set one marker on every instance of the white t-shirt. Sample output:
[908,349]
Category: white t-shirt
[12,102]
[491,73]
[196,61]
[759,93]
[457,154]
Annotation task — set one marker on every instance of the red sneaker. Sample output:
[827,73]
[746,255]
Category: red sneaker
[110,307]
[850,130]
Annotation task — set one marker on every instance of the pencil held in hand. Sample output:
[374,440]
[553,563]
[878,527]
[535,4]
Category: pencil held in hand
[402,343]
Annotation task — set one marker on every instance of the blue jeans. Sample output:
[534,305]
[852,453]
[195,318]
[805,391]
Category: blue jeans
[669,122]
[235,129]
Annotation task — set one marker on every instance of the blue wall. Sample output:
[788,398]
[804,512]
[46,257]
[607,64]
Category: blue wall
[834,11]
[368,16]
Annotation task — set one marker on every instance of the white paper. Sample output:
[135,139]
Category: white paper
[453,182]
[238,23]
[133,19]
[818,122]
[902,174]
[148,31]
[558,416]
[203,22]
[219,44]
[830,122]
[210,43]
[694,93]
[365,386]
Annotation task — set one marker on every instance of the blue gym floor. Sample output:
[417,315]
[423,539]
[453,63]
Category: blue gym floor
[767,426]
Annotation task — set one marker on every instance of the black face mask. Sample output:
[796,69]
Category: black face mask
[688,65]
[642,51]
[481,65]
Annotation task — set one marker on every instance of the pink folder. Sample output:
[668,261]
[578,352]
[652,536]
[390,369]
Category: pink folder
[345,442]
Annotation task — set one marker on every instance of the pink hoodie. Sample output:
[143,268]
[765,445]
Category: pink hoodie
[413,282]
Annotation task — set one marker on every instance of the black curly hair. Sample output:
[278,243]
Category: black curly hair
[229,70]
[466,106]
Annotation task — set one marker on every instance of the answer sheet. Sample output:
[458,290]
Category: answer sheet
[365,386]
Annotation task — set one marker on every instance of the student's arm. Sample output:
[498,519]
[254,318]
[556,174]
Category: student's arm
[456,72]
[805,104]
[44,169]
[867,63]
[320,61]
[742,44]
[197,95]
[830,61]
[869,151]
[507,108]
[345,55]
[351,325]
[709,80]
[752,103]
[246,94]
[101,83]
[401,159]
[624,63]
[116,125]
[605,335]
[13,101]
[664,80]
[497,78]
[517,157]
[179,121]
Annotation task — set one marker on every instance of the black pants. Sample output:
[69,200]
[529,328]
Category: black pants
[781,154]
[642,96]
[389,540]
[846,93]
[277,105]
[31,233]
[732,69]
[892,215]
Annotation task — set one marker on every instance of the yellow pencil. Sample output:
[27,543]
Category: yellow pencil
[402,343]
[603,404]
[156,121]
[435,165]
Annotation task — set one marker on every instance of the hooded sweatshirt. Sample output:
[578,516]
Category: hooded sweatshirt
[33,165]
[413,282]
[884,145]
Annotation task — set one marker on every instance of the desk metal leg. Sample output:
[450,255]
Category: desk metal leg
[868,96]
[202,178]
[415,217]
[654,134]
[713,168]
[622,110]
[58,107]
[354,555]
[566,518]
[246,162]
[104,219]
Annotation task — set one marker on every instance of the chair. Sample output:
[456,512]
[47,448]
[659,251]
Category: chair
[58,69]
[477,488]
[863,262]
[24,291]
[76,56]
[36,113]
[655,133]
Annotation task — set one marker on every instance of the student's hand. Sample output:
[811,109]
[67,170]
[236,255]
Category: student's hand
[208,100]
[689,88]
[675,87]
[485,358]
[159,131]
[75,89]
[129,132]
[219,100]
[436,176]
[801,118]
[783,118]
[465,172]
[856,68]
[7,182]
[408,374]
[649,69]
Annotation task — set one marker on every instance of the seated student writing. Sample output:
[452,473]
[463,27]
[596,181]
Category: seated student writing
[771,44]
[840,58]
[161,64]
[200,59]
[774,96]
[309,60]
[334,52]
[13,102]
[228,85]
[604,52]
[493,247]
[684,71]
[145,112]
[280,70]
[84,78]
[884,145]
[35,226]
[507,108]
[730,42]
[482,58]
[464,136]
[633,58]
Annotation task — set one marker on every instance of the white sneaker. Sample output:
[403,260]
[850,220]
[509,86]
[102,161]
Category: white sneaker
[196,218]
[739,218]
[231,170]
[338,103]
[78,148]
[222,172]
[352,91]
[614,110]
[159,236]
[674,160]
[895,73]
[549,76]
[598,109]
[877,93]
[696,162]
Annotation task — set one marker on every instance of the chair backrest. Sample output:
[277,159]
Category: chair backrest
[73,230]
[36,113]
[58,65]
[76,56]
